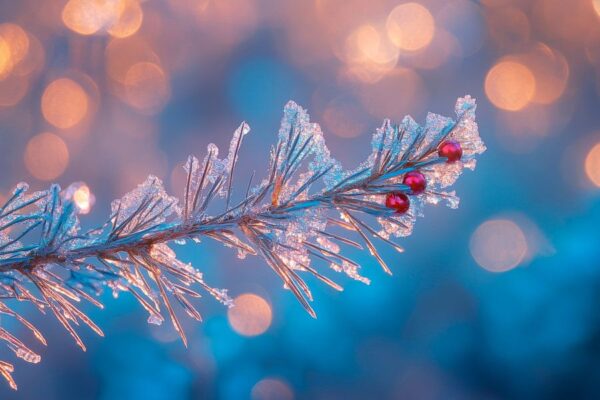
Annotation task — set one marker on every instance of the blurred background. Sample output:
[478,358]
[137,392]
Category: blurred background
[494,300]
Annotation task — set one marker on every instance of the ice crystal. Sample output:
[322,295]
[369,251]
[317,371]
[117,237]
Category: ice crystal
[301,219]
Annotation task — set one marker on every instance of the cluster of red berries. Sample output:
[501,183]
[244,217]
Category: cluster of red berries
[415,180]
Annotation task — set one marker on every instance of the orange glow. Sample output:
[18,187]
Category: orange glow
[592,165]
[510,85]
[82,198]
[81,195]
[87,17]
[498,245]
[596,5]
[64,103]
[369,54]
[272,389]
[251,315]
[14,45]
[46,156]
[373,45]
[5,59]
[129,19]
[147,87]
[410,26]
[120,18]
[13,90]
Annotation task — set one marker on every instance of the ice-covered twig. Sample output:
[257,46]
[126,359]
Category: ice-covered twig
[299,218]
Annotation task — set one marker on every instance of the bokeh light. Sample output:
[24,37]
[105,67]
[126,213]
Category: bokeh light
[510,85]
[272,389]
[128,20]
[596,5]
[5,58]
[592,164]
[147,87]
[81,195]
[410,26]
[251,315]
[87,17]
[64,103]
[369,54]
[14,46]
[498,245]
[46,156]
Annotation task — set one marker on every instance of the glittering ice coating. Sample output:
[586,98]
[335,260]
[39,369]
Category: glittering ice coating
[152,190]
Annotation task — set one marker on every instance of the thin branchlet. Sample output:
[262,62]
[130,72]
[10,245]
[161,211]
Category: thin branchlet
[307,211]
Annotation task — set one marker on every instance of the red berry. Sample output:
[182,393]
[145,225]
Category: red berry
[415,181]
[398,201]
[451,150]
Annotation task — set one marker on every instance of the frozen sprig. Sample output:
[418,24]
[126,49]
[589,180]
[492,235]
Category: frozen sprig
[300,219]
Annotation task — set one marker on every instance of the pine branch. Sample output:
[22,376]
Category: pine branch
[303,213]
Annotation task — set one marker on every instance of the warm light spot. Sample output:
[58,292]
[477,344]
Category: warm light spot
[81,196]
[121,18]
[14,46]
[13,90]
[272,389]
[17,40]
[369,54]
[498,245]
[46,156]
[64,103]
[6,64]
[87,17]
[129,19]
[592,165]
[410,26]
[510,85]
[373,46]
[251,315]
[147,87]
[596,5]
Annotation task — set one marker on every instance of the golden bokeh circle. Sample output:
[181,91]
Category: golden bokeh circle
[46,156]
[498,245]
[64,103]
[510,85]
[251,315]
[410,26]
[592,165]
